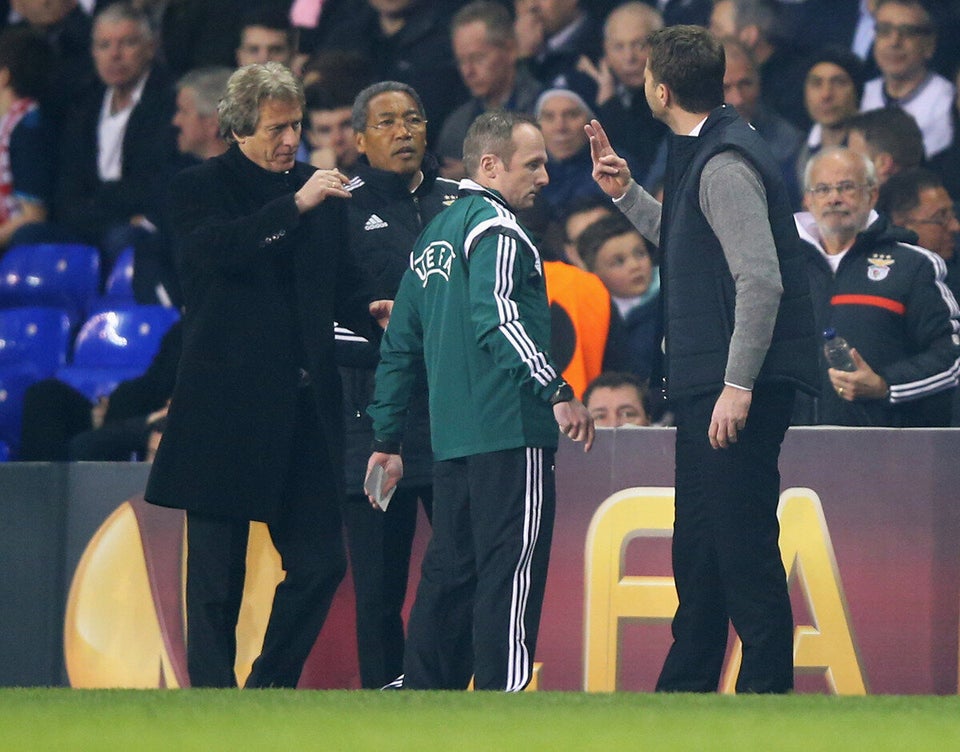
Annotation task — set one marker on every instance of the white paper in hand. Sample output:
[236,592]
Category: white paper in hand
[373,486]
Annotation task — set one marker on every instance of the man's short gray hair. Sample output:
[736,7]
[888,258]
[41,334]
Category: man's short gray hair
[208,86]
[869,170]
[492,133]
[117,12]
[247,89]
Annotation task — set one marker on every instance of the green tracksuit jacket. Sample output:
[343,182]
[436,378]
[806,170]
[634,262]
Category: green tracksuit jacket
[473,307]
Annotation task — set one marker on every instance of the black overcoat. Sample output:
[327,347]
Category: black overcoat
[263,286]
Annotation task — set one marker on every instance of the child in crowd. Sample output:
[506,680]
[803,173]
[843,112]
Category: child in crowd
[613,250]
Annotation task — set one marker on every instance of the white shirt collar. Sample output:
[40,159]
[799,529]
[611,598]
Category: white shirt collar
[698,127]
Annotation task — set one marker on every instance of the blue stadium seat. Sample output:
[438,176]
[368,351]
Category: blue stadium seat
[95,382]
[115,345]
[122,336]
[119,285]
[62,275]
[35,335]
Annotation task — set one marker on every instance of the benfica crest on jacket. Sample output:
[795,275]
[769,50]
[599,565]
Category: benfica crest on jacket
[879,265]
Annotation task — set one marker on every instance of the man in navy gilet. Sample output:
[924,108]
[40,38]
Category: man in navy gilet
[739,339]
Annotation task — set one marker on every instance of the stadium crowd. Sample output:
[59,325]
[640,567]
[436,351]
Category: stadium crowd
[103,102]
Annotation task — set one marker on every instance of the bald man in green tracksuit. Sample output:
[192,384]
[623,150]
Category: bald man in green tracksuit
[473,308]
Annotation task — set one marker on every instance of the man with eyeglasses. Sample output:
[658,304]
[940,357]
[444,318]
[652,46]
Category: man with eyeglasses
[906,40]
[396,191]
[884,295]
[917,199]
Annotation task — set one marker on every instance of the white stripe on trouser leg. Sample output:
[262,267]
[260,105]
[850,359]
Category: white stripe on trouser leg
[519,666]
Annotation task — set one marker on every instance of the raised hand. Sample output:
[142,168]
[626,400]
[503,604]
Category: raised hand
[610,170]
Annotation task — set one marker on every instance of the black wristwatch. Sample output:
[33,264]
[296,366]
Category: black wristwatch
[564,393]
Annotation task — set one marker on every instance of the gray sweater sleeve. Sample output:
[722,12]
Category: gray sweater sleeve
[643,211]
[734,202]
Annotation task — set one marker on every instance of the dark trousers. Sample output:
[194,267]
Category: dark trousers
[379,545]
[478,604]
[726,556]
[308,539]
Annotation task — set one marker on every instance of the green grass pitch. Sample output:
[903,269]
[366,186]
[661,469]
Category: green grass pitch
[180,720]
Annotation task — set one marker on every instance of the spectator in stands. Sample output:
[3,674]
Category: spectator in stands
[581,341]
[198,138]
[562,114]
[67,28]
[620,101]
[742,89]
[917,199]
[831,93]
[612,249]
[947,163]
[407,41]
[119,142]
[685,11]
[889,137]
[615,399]
[328,130]
[585,337]
[191,33]
[266,35]
[756,25]
[885,296]
[554,36]
[345,70]
[60,423]
[486,52]
[906,39]
[578,215]
[396,192]
[846,25]
[198,94]
[331,81]
[27,137]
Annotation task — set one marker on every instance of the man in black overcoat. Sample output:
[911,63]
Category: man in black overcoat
[255,429]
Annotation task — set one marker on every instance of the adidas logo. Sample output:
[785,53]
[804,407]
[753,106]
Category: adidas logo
[374,223]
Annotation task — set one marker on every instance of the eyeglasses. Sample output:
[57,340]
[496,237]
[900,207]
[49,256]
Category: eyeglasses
[904,30]
[942,218]
[413,123]
[846,188]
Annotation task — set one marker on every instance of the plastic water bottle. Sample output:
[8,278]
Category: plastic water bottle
[837,351]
